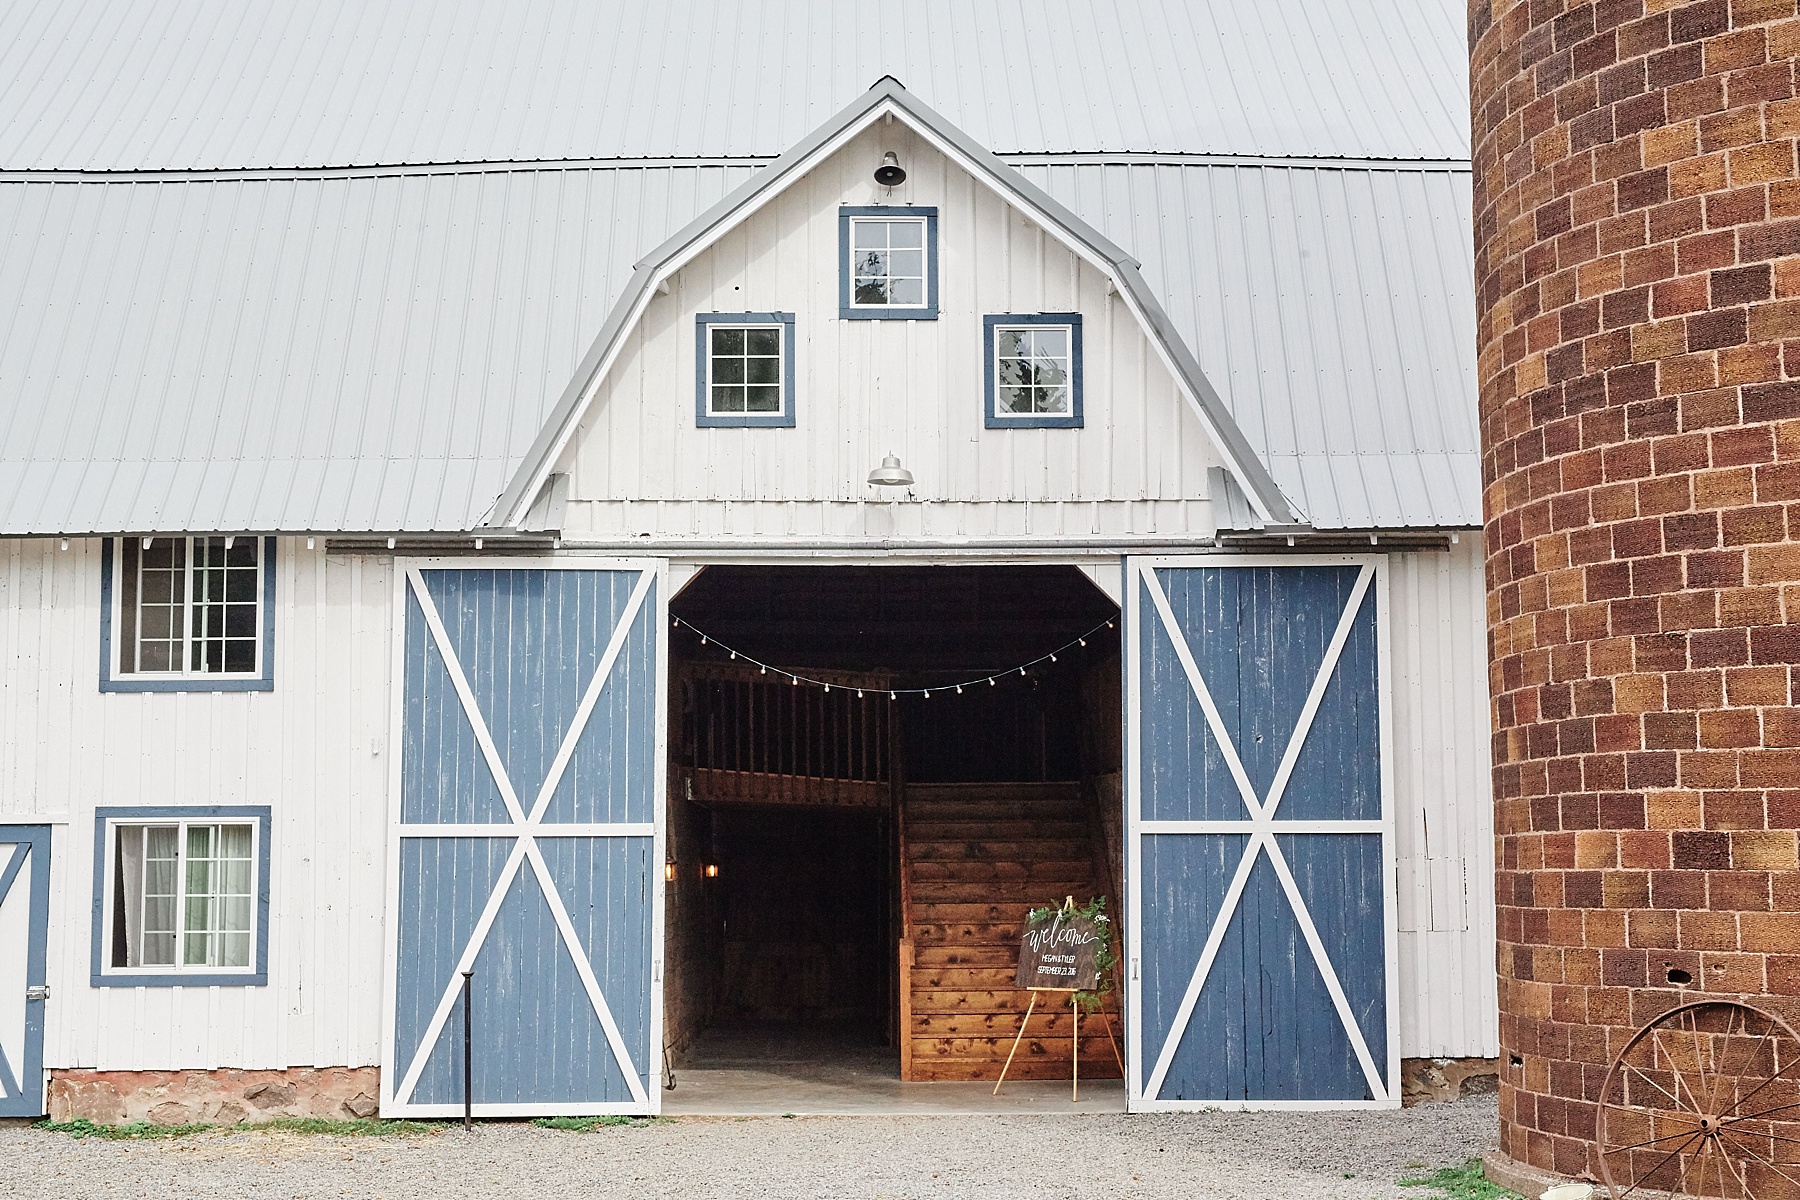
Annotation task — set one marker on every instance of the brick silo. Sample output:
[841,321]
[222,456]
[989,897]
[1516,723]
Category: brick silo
[1637,269]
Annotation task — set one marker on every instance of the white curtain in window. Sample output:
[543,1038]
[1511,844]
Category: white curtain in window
[131,883]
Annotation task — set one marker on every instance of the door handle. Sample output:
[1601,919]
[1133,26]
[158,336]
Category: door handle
[39,991]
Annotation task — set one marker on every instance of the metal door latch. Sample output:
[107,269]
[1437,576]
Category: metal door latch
[39,992]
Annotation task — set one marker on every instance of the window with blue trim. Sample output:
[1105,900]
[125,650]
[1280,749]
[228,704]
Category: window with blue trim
[744,370]
[183,896]
[888,263]
[1033,371]
[188,614]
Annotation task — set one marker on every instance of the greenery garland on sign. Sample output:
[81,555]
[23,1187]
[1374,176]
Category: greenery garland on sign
[1106,954]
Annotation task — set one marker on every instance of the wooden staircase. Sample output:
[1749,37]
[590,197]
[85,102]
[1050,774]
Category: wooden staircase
[975,858]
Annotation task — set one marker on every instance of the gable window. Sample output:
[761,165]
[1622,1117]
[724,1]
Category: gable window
[1033,371]
[183,896]
[187,614]
[888,263]
[744,367]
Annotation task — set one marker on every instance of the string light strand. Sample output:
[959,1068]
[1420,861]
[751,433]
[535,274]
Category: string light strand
[895,693]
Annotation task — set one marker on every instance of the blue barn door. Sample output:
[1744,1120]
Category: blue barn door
[527,849]
[24,925]
[1261,926]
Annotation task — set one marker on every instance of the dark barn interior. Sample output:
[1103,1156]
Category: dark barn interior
[851,859]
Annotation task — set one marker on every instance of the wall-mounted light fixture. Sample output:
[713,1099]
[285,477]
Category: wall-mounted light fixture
[712,870]
[891,474]
[890,173]
[669,871]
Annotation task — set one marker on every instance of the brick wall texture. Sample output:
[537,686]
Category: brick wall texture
[1637,268]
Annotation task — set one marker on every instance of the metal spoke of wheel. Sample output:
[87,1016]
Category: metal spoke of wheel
[1681,1082]
[1768,1028]
[1765,1112]
[1640,1145]
[1743,1134]
[1712,1056]
[1765,1162]
[1681,1149]
[1659,1087]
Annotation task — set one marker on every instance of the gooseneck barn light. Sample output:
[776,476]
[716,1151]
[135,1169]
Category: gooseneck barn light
[890,173]
[891,474]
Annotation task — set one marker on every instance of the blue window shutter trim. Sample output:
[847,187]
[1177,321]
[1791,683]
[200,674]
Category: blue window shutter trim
[111,680]
[929,311]
[1074,419]
[99,976]
[780,420]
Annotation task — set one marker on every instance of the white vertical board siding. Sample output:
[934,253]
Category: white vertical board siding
[313,749]
[1443,803]
[639,464]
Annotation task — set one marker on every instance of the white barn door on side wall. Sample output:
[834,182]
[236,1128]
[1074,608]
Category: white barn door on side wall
[24,917]
[1262,933]
[527,842]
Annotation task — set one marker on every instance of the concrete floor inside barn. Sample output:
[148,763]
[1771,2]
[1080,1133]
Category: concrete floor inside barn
[775,1071]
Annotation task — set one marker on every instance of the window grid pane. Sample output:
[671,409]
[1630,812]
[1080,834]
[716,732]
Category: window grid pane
[192,606]
[746,370]
[887,262]
[217,908]
[161,614]
[161,871]
[225,603]
[1031,370]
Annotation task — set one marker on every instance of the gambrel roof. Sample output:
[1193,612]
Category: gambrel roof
[259,300]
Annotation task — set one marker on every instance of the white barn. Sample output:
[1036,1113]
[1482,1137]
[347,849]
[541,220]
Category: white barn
[440,531]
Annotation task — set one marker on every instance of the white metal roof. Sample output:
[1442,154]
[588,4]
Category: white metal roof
[1334,311]
[201,84]
[378,353]
[246,340]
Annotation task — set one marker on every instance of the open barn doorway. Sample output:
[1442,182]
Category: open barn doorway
[850,859]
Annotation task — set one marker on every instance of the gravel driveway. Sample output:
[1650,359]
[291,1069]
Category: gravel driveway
[1258,1156]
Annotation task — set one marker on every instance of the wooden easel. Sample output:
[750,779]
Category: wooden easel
[1074,1032]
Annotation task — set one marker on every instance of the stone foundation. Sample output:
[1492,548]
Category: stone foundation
[213,1097]
[1423,1079]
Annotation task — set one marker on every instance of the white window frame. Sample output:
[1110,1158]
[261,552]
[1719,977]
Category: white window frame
[117,677]
[781,359]
[925,265]
[179,970]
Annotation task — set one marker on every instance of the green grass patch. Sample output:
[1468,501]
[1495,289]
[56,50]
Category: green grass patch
[133,1131]
[1460,1183]
[360,1127]
[585,1124]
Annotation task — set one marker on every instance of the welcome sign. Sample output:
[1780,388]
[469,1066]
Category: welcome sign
[1059,952]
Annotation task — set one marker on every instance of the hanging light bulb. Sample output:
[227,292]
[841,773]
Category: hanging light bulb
[1083,641]
[1021,670]
[859,694]
[893,695]
[828,687]
[1053,658]
[990,681]
[703,639]
[959,689]
[734,656]
[928,693]
[763,671]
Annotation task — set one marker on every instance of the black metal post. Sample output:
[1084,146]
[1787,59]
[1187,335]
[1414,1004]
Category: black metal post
[468,1060]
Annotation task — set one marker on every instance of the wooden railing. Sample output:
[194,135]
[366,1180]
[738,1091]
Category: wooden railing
[755,738]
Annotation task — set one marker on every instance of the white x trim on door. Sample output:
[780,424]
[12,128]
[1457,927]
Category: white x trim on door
[1263,827]
[526,826]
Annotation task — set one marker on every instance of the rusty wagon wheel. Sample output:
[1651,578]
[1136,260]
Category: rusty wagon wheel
[1702,1102]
